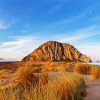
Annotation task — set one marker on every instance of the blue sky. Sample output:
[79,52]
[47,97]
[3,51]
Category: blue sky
[25,24]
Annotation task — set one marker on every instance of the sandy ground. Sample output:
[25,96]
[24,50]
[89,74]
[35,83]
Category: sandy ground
[93,89]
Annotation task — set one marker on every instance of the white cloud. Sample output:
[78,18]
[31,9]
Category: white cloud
[18,48]
[79,35]
[90,49]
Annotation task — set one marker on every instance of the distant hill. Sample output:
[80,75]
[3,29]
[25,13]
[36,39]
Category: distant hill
[98,61]
[6,60]
[2,59]
[56,51]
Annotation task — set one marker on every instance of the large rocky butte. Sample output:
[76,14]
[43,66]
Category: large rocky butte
[56,51]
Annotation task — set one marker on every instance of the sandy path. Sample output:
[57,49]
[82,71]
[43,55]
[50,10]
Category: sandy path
[93,89]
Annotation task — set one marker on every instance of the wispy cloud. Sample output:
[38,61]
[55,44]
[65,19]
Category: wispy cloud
[75,18]
[54,9]
[22,46]
[78,35]
[59,4]
[18,48]
[67,21]
[5,25]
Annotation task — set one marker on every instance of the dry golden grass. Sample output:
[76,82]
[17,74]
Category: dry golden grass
[95,71]
[41,87]
[26,76]
[43,78]
[88,69]
[82,68]
[54,67]
[41,67]
[2,74]
[67,87]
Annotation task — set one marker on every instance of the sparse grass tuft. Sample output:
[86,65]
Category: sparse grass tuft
[26,75]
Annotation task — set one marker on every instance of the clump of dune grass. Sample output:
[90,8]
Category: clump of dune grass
[43,78]
[95,71]
[26,76]
[82,68]
[87,69]
[78,86]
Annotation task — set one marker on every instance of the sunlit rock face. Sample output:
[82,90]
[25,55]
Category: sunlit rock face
[56,51]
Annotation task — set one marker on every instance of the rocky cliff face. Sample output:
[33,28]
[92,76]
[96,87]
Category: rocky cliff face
[55,51]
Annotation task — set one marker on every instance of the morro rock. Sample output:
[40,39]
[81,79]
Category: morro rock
[56,51]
